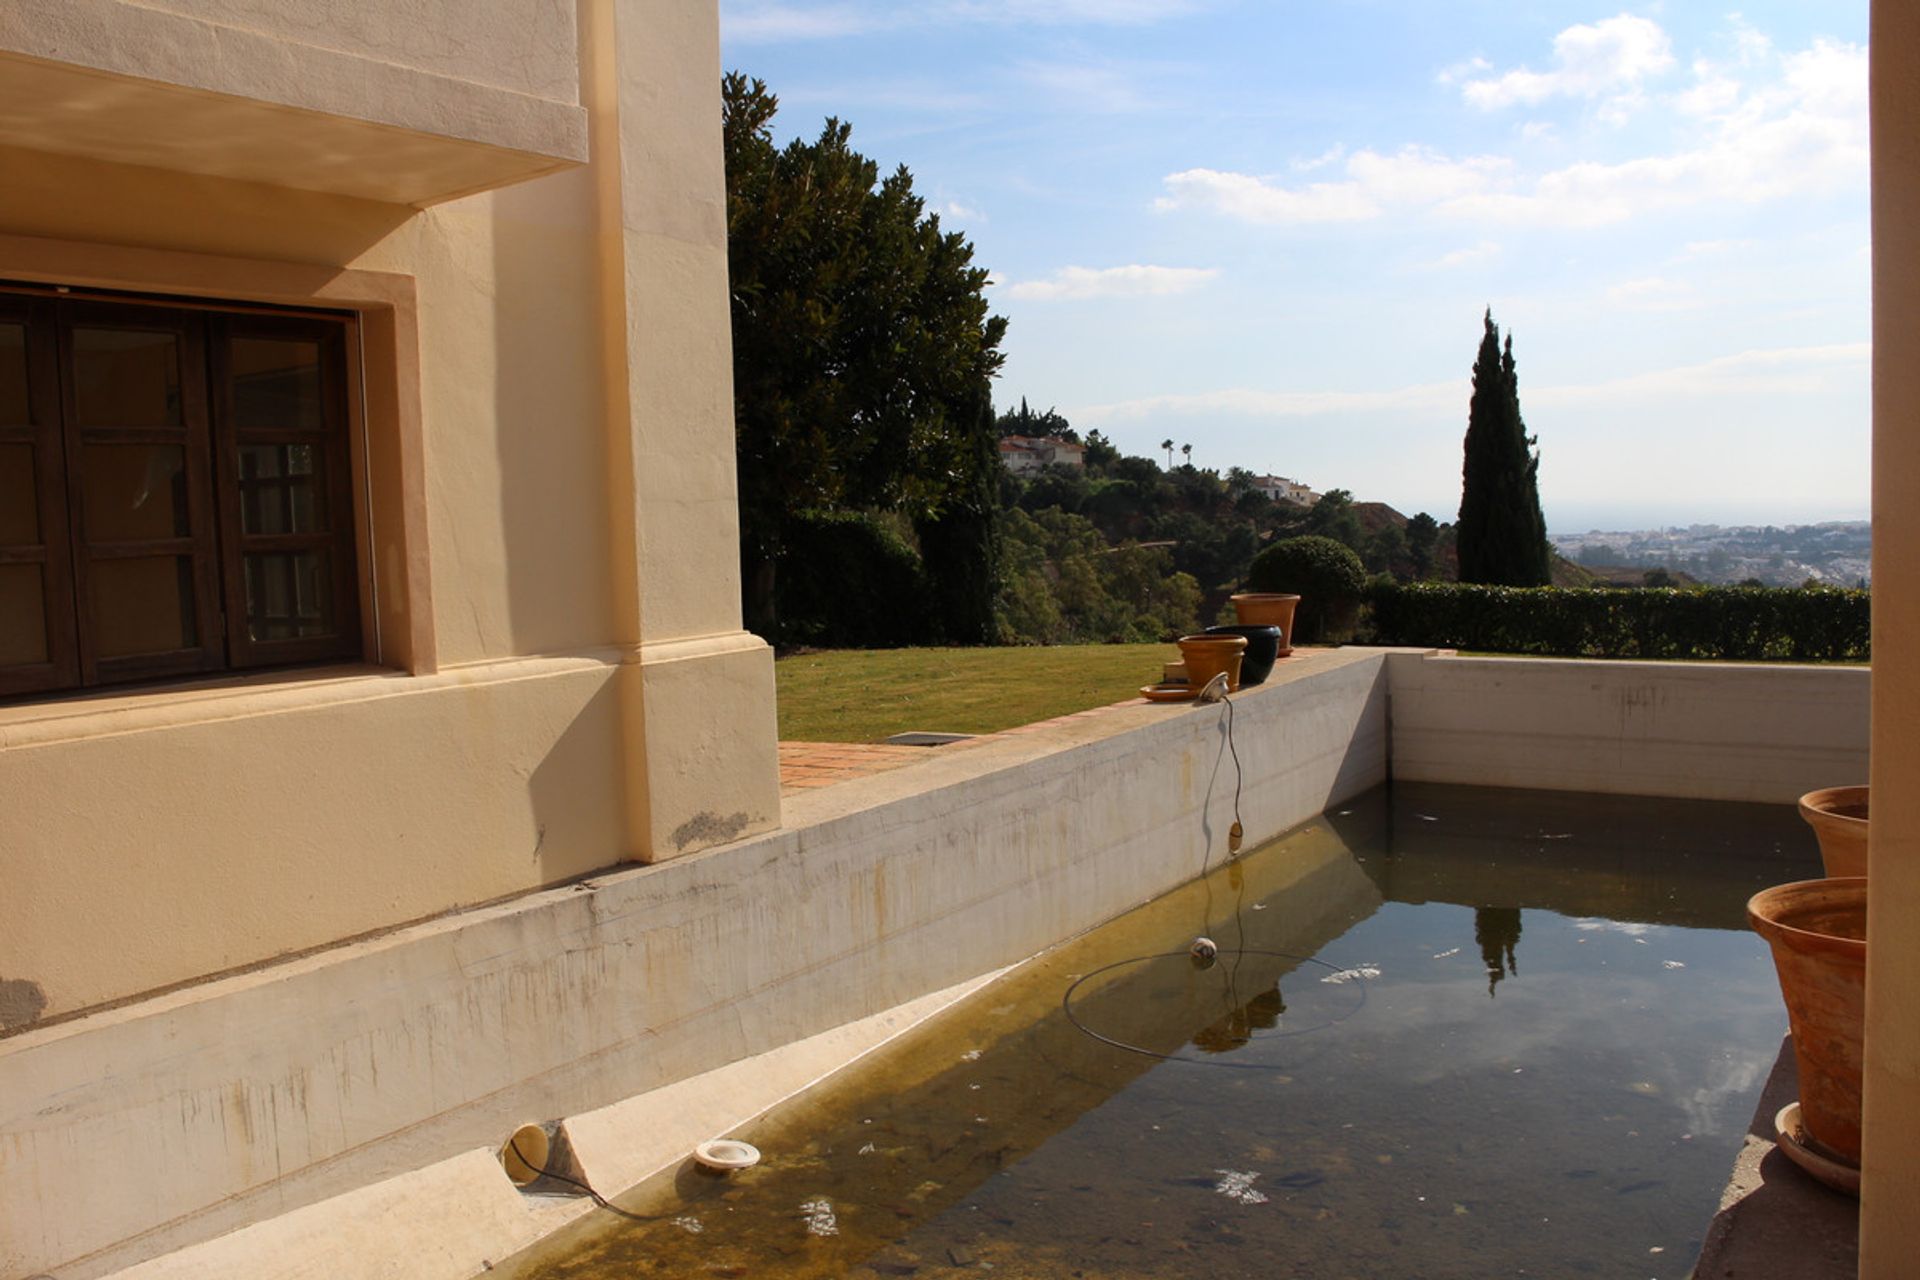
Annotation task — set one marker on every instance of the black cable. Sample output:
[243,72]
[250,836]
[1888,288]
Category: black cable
[1066,1007]
[514,1145]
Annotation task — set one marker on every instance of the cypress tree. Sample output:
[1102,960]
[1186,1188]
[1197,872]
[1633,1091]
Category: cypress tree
[1502,536]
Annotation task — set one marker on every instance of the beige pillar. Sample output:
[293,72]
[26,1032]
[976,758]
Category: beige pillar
[697,692]
[1890,1184]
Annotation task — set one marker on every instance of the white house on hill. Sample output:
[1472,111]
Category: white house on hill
[1023,454]
[1281,489]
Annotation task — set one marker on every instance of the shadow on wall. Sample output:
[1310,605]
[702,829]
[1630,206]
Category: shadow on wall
[576,829]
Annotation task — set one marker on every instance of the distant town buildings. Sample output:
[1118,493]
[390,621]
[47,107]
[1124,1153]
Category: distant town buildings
[1022,454]
[1838,552]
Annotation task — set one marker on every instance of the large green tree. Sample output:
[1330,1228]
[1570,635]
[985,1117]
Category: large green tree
[1501,535]
[862,351]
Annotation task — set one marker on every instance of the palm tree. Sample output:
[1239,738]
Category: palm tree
[1187,451]
[1167,444]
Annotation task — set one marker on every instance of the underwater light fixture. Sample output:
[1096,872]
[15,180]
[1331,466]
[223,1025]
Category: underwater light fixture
[727,1154]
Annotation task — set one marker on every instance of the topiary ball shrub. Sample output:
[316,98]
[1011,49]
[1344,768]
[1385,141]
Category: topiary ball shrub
[1326,575]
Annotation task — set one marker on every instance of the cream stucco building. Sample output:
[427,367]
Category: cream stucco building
[449,280]
[368,553]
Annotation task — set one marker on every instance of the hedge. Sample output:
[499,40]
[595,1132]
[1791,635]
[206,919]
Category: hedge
[1326,575]
[1729,623]
[847,580]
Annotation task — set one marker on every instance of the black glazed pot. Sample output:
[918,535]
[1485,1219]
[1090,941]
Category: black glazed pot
[1263,646]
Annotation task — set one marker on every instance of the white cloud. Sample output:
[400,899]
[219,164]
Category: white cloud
[1085,86]
[771,21]
[1773,371]
[1653,293]
[1133,281]
[1796,126]
[955,211]
[1374,183]
[1485,251]
[1248,402]
[1590,61]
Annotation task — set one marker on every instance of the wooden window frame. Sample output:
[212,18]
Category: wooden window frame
[210,437]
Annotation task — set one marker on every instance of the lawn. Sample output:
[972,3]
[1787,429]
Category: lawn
[864,695]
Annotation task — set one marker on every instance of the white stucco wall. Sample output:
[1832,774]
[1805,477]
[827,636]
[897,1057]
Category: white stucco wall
[1707,731]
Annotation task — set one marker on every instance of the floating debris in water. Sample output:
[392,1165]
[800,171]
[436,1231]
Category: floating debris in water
[1238,1186]
[1643,942]
[971,1055]
[1564,835]
[973,1088]
[819,1217]
[1259,906]
[1349,975]
[1426,817]
[1673,964]
[1447,954]
[867,1150]
[690,1224]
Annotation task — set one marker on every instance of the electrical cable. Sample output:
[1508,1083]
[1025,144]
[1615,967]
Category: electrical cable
[1235,956]
[598,1199]
[1066,1007]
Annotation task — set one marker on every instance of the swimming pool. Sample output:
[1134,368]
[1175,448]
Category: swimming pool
[1450,1032]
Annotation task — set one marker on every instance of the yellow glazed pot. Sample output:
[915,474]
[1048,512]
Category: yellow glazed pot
[1838,816]
[1208,656]
[1268,609]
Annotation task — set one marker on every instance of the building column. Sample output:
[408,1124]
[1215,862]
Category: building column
[697,691]
[1890,1173]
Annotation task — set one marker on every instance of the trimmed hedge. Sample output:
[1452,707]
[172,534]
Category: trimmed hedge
[847,581]
[1326,575]
[1728,623]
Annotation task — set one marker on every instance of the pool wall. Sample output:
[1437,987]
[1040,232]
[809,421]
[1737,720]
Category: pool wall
[1694,730]
[140,1130]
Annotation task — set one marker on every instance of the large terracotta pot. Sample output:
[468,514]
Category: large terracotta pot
[1818,932]
[1207,656]
[1263,647]
[1838,816]
[1268,609]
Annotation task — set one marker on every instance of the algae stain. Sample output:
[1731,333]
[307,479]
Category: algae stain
[21,1003]
[708,828]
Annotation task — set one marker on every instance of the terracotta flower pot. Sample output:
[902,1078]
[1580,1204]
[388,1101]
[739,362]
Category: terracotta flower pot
[1268,609]
[1208,656]
[1818,932]
[1838,816]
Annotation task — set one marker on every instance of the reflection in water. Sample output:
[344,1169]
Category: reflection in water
[1262,1013]
[1399,1125]
[1496,931]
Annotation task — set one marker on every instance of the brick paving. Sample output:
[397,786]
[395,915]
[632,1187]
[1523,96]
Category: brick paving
[805,766]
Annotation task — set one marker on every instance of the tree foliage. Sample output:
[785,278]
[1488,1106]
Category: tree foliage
[1501,534]
[862,347]
[1326,575]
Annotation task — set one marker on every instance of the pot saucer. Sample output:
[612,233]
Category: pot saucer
[1167,692]
[1812,1157]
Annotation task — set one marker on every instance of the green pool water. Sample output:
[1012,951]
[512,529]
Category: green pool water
[1451,1032]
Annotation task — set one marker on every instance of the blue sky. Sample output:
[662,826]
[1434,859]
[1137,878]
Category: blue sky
[1269,229]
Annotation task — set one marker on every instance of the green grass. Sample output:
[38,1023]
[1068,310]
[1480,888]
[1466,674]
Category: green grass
[864,695]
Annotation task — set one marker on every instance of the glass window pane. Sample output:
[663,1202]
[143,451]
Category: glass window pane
[276,383]
[135,491]
[15,411]
[141,605]
[289,594]
[19,499]
[126,378]
[281,488]
[23,617]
